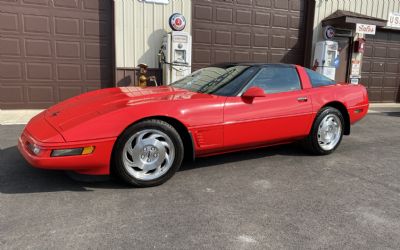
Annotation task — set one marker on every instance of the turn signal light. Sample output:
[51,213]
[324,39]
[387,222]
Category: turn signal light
[87,150]
[72,151]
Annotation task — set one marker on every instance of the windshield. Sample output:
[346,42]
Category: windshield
[208,80]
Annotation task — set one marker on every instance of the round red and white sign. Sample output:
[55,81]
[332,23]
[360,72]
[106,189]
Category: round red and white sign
[177,22]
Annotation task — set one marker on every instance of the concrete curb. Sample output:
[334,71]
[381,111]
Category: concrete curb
[17,116]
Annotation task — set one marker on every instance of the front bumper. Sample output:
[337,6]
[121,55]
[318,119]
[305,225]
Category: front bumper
[96,163]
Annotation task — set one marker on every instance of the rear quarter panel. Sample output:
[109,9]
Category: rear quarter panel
[353,96]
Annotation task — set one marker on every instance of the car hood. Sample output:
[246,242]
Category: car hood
[82,108]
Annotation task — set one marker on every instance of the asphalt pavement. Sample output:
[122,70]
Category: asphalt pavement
[272,198]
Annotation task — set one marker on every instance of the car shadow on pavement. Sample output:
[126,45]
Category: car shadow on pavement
[293,149]
[395,114]
[17,176]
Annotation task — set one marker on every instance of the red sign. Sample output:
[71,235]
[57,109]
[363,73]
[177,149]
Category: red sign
[177,22]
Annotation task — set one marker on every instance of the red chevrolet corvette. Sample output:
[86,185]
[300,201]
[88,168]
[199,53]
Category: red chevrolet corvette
[143,134]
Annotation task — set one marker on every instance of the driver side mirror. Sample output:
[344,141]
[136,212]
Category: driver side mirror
[254,92]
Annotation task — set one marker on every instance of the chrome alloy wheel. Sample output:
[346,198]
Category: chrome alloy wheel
[148,154]
[329,132]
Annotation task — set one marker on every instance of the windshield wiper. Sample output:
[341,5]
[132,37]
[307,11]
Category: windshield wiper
[216,80]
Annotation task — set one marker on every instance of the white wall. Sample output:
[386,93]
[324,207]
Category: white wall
[139,28]
[374,8]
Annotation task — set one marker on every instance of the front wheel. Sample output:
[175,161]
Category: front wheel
[326,133]
[148,153]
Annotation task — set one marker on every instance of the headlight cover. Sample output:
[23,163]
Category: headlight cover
[35,149]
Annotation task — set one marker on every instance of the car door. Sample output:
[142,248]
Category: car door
[282,114]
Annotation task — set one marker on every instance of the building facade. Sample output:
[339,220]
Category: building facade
[52,50]
[379,64]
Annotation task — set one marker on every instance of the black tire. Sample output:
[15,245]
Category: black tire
[117,164]
[310,143]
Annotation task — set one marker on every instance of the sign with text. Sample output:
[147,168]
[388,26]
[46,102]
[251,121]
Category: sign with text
[393,20]
[365,29]
[355,68]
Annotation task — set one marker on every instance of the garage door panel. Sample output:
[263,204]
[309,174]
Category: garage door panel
[279,4]
[243,17]
[37,2]
[368,51]
[259,57]
[241,56]
[202,55]
[36,24]
[376,82]
[221,56]
[203,13]
[102,5]
[242,39]
[394,53]
[380,51]
[96,28]
[98,73]
[41,94]
[11,70]
[392,67]
[38,48]
[68,49]
[380,37]
[39,71]
[375,94]
[66,26]
[66,3]
[12,94]
[244,2]
[10,46]
[245,27]
[260,40]
[378,67]
[390,82]
[69,72]
[381,70]
[8,22]
[366,65]
[66,92]
[222,38]
[48,44]
[261,18]
[388,95]
[262,3]
[223,15]
[203,36]
[279,20]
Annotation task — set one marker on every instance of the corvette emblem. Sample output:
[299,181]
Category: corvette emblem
[55,113]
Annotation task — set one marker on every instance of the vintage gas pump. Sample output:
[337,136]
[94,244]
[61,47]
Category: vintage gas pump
[176,51]
[325,55]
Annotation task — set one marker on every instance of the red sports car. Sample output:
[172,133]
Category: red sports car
[143,134]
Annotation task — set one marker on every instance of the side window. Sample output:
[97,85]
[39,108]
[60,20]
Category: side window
[318,80]
[276,79]
[232,88]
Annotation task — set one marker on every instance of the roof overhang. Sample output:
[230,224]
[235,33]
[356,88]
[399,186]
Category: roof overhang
[348,19]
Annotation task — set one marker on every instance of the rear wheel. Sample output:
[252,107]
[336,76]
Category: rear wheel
[326,133]
[148,153]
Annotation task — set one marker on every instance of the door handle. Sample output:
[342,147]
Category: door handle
[302,99]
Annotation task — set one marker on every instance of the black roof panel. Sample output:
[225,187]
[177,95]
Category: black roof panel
[227,65]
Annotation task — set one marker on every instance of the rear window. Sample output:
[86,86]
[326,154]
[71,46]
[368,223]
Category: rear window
[318,80]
